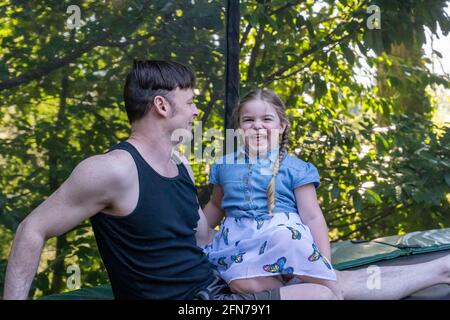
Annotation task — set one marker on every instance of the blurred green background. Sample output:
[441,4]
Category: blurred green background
[369,103]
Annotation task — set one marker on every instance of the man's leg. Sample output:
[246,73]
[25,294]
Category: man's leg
[332,285]
[396,282]
[306,291]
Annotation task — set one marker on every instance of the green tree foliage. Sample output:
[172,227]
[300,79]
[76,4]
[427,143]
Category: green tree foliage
[375,181]
[384,165]
[62,99]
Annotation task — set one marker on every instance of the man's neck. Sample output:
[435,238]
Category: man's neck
[155,146]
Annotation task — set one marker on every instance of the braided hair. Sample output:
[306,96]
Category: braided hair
[274,100]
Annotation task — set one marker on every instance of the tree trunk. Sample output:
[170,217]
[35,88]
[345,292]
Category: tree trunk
[61,242]
[411,99]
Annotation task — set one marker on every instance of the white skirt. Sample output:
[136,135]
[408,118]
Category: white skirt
[281,246]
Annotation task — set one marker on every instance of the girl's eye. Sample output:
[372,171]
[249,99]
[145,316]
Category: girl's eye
[267,119]
[247,120]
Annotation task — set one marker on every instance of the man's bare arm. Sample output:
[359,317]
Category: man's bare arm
[87,191]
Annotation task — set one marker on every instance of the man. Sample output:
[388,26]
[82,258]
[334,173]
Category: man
[146,218]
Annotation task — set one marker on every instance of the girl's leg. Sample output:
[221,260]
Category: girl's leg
[255,284]
[304,291]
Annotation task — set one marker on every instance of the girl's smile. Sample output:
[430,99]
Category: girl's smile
[261,125]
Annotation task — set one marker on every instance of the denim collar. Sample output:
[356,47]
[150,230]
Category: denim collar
[271,154]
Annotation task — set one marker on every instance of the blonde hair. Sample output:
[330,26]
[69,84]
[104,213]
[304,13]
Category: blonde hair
[274,100]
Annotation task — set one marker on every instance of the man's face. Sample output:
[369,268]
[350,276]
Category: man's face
[184,109]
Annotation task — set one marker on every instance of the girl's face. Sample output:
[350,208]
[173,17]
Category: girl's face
[261,125]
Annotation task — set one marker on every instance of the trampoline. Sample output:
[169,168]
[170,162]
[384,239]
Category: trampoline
[410,248]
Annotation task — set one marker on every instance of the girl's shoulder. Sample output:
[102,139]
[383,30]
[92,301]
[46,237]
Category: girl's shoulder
[295,163]
[222,169]
[300,171]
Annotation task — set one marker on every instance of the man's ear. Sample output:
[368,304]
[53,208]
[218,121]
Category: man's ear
[161,106]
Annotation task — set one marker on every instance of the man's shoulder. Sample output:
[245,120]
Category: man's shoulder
[112,168]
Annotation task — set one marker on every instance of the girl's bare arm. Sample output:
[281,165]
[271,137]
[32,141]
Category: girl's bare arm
[213,209]
[312,216]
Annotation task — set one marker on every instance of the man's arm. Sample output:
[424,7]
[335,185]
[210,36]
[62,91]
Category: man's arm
[87,191]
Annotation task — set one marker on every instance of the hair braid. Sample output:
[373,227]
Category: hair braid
[276,168]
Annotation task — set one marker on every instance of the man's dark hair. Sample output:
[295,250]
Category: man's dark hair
[151,78]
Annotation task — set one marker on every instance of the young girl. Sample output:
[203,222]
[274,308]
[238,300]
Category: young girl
[274,230]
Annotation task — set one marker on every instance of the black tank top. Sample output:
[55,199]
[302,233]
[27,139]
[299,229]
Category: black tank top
[152,252]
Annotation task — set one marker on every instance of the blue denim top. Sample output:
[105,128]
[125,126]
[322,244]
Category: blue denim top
[244,182]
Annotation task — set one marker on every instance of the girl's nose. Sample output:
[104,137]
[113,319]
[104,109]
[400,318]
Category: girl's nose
[257,125]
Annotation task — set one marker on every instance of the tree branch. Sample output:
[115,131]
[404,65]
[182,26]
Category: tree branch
[245,35]
[53,65]
[277,75]
[286,6]
[254,54]
[371,221]
[208,108]
[325,212]
[320,45]
[61,62]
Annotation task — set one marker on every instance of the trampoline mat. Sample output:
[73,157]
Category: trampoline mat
[410,248]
